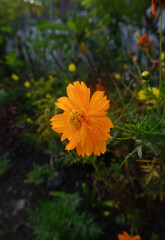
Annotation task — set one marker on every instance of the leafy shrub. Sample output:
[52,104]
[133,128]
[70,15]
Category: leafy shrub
[59,220]
[5,164]
[40,174]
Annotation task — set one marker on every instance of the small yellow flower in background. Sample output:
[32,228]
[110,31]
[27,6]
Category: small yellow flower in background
[106,213]
[135,59]
[155,91]
[14,77]
[51,77]
[126,236]
[125,67]
[72,67]
[27,84]
[39,12]
[141,95]
[84,122]
[29,120]
[149,100]
[28,94]
[48,95]
[83,49]
[151,104]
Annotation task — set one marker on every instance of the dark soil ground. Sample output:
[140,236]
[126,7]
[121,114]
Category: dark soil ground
[16,196]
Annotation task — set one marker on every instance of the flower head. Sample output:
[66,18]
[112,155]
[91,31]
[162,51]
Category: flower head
[83,49]
[14,77]
[145,43]
[100,87]
[150,96]
[48,95]
[142,94]
[29,120]
[28,94]
[106,213]
[142,40]
[51,77]
[126,236]
[161,3]
[27,84]
[84,122]
[72,67]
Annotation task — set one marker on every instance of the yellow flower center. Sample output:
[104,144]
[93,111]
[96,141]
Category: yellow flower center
[75,119]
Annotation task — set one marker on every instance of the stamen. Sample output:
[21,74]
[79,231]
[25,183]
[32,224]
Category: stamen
[75,119]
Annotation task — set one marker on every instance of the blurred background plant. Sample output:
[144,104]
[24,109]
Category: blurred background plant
[5,164]
[60,220]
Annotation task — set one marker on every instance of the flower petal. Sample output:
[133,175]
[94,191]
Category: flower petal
[59,122]
[67,133]
[87,143]
[128,237]
[154,8]
[121,237]
[83,132]
[99,102]
[79,95]
[136,237]
[64,103]
[80,150]
[104,123]
[73,142]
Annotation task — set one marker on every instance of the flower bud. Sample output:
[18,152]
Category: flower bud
[163,56]
[117,76]
[145,75]
[135,59]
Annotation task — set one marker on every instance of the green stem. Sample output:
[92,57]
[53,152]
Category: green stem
[128,89]
[94,164]
[163,121]
[126,114]
[149,56]
[123,129]
[160,59]
[140,130]
[119,93]
[139,71]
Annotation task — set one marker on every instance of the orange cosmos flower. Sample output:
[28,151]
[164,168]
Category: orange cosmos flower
[100,87]
[142,40]
[84,122]
[161,3]
[126,236]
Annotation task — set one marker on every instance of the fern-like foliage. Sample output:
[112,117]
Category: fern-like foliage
[40,174]
[59,220]
[148,130]
[73,158]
